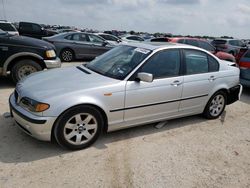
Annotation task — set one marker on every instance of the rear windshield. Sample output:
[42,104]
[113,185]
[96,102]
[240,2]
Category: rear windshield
[219,42]
[7,27]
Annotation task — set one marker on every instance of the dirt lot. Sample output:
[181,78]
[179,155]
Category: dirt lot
[188,152]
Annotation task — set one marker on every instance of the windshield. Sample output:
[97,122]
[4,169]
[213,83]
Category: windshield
[118,62]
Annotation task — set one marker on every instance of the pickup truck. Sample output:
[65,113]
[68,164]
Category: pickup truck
[21,56]
[34,30]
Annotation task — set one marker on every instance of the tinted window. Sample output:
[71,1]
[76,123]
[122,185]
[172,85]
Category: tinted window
[95,39]
[206,46]
[213,64]
[26,27]
[36,28]
[196,62]
[163,64]
[192,42]
[7,27]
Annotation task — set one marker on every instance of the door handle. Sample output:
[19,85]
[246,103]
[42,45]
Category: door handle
[212,78]
[176,83]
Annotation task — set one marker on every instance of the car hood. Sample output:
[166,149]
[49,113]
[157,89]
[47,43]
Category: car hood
[64,81]
[31,42]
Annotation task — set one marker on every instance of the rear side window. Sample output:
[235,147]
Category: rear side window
[108,37]
[219,42]
[182,41]
[213,64]
[206,46]
[7,27]
[196,62]
[192,42]
[163,64]
[135,38]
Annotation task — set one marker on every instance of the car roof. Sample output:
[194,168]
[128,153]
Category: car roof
[160,45]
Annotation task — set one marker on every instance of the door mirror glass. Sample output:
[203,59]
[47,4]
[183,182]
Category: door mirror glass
[145,77]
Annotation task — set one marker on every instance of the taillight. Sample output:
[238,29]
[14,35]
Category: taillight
[244,65]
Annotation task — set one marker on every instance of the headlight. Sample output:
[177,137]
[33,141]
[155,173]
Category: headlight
[50,53]
[33,105]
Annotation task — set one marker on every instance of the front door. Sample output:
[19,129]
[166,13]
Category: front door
[159,99]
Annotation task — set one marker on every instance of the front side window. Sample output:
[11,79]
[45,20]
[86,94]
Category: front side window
[196,62]
[213,64]
[118,62]
[163,64]
[36,28]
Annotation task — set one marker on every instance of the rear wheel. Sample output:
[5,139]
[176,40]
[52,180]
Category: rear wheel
[23,68]
[78,127]
[215,105]
[67,55]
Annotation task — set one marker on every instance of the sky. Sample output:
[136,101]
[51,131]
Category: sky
[185,17]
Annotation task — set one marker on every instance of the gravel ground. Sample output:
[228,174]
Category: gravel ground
[187,152]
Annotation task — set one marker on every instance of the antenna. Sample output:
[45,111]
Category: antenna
[4,14]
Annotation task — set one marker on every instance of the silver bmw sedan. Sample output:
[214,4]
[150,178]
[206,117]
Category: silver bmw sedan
[130,85]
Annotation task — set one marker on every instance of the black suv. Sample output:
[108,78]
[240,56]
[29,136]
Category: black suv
[22,56]
[34,30]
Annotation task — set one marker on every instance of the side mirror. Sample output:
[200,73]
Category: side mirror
[145,77]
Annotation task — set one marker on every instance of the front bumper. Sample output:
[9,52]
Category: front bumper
[55,63]
[35,126]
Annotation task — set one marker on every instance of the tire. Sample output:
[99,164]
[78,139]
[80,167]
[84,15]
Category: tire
[78,127]
[67,55]
[23,68]
[215,105]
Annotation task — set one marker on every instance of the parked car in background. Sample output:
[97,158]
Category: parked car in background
[160,39]
[66,30]
[130,85]
[78,45]
[231,46]
[110,38]
[22,56]
[243,60]
[34,30]
[132,38]
[201,43]
[8,27]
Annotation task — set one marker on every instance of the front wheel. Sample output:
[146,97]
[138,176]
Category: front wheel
[78,127]
[215,105]
[67,55]
[23,68]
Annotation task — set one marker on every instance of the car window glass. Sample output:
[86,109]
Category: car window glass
[182,41]
[192,42]
[76,37]
[196,62]
[95,39]
[68,37]
[206,46]
[26,27]
[36,28]
[213,64]
[108,37]
[7,27]
[233,42]
[163,64]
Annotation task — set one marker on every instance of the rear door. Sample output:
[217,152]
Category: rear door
[201,73]
[160,98]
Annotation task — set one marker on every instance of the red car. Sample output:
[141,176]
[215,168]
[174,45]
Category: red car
[205,45]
